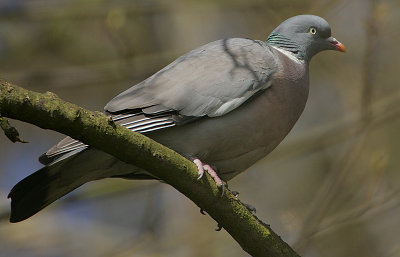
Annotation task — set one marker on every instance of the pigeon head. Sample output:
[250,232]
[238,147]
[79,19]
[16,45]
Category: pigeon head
[304,36]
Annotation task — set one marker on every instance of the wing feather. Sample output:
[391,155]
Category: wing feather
[137,122]
[209,81]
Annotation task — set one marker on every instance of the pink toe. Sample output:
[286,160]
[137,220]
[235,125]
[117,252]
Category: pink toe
[200,168]
[213,174]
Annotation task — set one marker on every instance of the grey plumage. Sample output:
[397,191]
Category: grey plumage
[228,103]
[240,68]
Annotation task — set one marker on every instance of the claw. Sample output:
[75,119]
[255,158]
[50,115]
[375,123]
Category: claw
[200,168]
[235,194]
[223,189]
[251,208]
[219,227]
[202,211]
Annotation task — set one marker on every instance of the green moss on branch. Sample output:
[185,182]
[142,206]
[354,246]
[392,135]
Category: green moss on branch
[10,132]
[94,128]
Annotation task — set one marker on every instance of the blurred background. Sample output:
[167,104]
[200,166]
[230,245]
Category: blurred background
[332,188]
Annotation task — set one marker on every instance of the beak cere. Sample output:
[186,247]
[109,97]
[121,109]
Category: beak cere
[337,45]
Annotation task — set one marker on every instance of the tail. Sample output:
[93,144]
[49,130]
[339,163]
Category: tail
[50,183]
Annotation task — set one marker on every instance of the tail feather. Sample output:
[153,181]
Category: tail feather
[37,191]
[50,183]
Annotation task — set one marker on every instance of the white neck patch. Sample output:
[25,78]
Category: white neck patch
[288,54]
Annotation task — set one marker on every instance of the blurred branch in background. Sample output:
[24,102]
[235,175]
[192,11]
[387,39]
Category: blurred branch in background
[342,168]
[371,58]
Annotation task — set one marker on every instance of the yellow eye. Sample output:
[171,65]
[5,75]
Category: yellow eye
[313,30]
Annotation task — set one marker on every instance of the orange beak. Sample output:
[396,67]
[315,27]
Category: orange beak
[337,45]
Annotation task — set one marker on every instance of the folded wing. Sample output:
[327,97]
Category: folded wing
[209,81]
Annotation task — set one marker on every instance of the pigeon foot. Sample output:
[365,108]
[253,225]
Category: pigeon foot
[202,168]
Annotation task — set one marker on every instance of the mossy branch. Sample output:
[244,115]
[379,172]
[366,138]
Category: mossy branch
[10,132]
[96,129]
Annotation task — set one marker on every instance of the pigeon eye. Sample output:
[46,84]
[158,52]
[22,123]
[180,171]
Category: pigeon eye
[313,30]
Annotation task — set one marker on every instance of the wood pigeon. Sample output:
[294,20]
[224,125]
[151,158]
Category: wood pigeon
[224,105]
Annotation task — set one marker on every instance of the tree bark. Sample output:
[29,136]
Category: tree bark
[47,111]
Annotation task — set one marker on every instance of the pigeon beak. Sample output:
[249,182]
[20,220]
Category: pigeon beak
[336,44]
